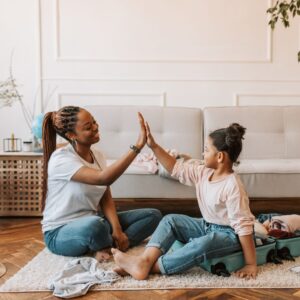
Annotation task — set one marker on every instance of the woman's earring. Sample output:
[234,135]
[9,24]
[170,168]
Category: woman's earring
[74,143]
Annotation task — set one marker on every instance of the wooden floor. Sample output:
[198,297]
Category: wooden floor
[21,240]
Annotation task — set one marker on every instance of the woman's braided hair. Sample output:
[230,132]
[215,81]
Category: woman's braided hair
[60,122]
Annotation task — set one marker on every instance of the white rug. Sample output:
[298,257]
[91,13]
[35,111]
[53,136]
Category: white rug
[38,272]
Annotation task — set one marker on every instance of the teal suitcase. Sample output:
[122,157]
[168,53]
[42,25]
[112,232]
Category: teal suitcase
[223,266]
[288,248]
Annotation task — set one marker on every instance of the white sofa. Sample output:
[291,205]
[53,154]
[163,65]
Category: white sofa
[270,160]
[174,128]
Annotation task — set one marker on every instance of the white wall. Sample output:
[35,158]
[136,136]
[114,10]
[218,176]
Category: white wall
[191,53]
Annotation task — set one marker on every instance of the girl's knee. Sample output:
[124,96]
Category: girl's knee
[171,218]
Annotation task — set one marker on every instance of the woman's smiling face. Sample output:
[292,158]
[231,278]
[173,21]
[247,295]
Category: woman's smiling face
[86,129]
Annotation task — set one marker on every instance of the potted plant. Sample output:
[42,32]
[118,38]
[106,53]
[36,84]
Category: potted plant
[283,10]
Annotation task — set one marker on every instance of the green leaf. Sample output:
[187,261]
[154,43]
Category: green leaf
[272,24]
[271,10]
[285,23]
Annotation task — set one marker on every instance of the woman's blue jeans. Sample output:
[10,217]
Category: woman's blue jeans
[94,233]
[202,241]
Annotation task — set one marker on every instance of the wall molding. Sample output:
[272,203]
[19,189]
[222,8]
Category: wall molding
[237,96]
[59,58]
[167,79]
[39,49]
[162,96]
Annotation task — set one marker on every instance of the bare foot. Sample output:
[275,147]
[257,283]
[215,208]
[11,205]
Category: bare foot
[136,266]
[120,271]
[103,255]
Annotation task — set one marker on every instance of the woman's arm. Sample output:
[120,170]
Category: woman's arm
[250,268]
[114,171]
[108,175]
[109,210]
[164,158]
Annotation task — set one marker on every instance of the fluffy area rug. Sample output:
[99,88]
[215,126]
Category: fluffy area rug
[36,275]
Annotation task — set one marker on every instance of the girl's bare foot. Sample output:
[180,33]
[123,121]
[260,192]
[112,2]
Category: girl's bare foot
[136,266]
[103,255]
[120,271]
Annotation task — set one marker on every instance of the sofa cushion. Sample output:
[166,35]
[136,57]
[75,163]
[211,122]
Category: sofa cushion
[173,127]
[262,185]
[150,186]
[272,131]
[268,166]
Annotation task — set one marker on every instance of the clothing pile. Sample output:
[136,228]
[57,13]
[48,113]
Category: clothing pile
[277,226]
[78,276]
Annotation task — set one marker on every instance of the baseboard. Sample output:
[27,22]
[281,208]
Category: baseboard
[190,206]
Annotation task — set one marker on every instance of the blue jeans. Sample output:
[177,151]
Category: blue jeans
[202,241]
[93,233]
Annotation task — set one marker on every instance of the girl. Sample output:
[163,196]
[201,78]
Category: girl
[227,223]
[76,185]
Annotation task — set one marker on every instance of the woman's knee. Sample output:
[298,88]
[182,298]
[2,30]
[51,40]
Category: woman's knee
[96,231]
[98,228]
[155,215]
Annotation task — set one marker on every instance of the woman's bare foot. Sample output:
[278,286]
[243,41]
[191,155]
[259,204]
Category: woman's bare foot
[103,255]
[136,266]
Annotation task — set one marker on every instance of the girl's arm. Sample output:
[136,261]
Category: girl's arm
[110,174]
[109,210]
[250,268]
[188,174]
[164,158]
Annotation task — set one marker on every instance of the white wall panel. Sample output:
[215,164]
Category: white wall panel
[110,98]
[268,99]
[19,33]
[168,30]
[192,53]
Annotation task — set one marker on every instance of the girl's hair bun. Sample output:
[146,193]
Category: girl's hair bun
[234,134]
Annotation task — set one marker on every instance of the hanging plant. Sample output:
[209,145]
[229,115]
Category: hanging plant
[283,10]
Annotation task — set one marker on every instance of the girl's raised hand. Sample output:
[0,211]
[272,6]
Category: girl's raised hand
[150,140]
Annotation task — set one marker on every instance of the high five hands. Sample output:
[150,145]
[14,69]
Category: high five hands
[145,135]
[142,136]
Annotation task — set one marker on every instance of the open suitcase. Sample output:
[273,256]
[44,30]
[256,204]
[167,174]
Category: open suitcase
[223,266]
[288,248]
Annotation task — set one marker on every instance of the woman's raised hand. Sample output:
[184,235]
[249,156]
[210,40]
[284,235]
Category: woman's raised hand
[142,137]
[150,139]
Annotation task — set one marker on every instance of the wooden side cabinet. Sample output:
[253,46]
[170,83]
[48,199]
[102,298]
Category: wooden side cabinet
[21,175]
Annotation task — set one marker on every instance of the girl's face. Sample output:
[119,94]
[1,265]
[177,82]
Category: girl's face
[210,154]
[86,129]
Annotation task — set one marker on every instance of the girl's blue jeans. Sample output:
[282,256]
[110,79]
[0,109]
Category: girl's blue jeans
[202,241]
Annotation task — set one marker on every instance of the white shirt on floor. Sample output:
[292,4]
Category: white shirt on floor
[68,200]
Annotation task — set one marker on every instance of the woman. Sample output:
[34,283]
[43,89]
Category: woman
[76,186]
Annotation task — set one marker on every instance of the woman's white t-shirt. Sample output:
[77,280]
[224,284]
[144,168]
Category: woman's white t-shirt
[68,200]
